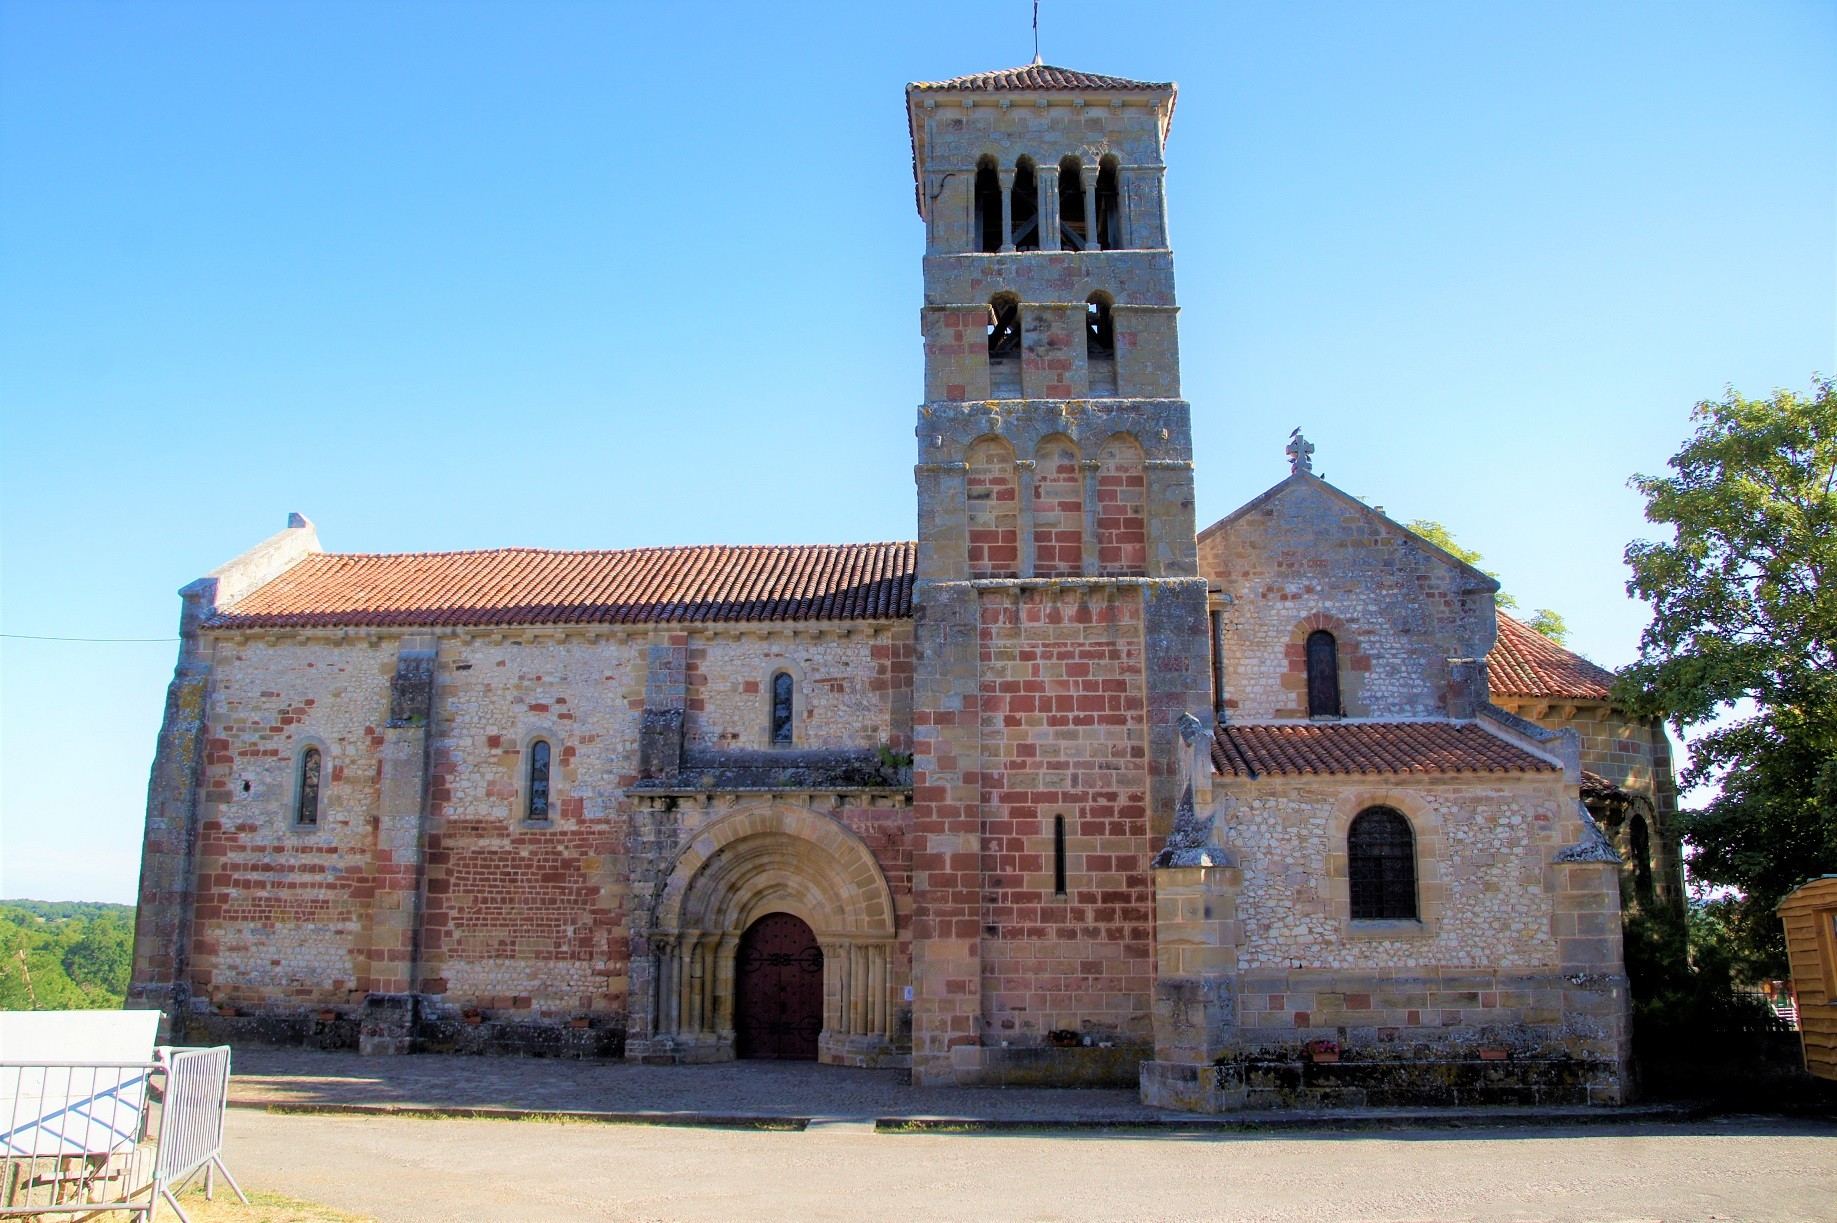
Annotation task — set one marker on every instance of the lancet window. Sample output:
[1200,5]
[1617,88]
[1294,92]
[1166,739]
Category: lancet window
[306,795]
[537,808]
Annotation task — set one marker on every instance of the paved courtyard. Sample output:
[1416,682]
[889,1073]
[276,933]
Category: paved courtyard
[757,1089]
[408,1169]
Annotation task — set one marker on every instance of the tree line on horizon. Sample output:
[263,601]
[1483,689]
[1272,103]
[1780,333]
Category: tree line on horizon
[64,955]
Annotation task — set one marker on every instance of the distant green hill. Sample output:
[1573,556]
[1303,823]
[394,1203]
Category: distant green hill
[60,955]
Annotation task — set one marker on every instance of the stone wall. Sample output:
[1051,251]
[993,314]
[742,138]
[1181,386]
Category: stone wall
[1510,989]
[1063,737]
[517,921]
[1305,556]
[1483,856]
[853,687]
[282,911]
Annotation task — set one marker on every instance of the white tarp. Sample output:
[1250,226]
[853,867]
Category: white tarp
[91,1101]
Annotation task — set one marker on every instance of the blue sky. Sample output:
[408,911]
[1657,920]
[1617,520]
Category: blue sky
[451,275]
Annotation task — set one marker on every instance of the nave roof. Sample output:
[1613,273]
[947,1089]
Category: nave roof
[520,586]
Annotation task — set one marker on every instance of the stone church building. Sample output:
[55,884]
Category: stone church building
[1067,791]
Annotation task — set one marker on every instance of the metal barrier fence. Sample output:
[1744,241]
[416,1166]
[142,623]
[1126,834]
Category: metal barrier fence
[87,1138]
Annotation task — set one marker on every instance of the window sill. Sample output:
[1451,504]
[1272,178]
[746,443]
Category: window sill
[1387,929]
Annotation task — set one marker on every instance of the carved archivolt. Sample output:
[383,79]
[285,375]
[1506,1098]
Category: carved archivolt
[777,859]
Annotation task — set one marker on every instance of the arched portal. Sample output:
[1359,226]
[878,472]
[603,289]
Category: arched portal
[762,861]
[778,990]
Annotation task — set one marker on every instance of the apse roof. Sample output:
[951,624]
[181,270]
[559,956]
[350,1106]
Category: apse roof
[1524,662]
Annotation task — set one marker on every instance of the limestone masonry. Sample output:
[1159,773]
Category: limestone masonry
[1067,791]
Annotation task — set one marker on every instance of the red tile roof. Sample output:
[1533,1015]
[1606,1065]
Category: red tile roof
[1524,662]
[1037,76]
[537,586]
[1367,747]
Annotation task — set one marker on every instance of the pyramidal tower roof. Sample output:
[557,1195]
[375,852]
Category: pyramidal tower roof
[1037,76]
[1066,86]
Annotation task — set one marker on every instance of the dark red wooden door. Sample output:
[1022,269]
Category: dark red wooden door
[778,990]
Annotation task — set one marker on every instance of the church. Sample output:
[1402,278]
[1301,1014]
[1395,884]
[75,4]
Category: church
[1068,791]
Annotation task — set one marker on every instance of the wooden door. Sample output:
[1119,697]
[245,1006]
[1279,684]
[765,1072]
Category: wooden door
[778,990]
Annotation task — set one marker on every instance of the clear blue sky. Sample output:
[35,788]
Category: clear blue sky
[457,275]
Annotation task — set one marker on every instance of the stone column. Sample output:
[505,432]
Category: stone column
[725,954]
[662,974]
[1046,189]
[1088,176]
[685,970]
[1006,175]
[1023,494]
[877,1020]
[864,992]
[1092,561]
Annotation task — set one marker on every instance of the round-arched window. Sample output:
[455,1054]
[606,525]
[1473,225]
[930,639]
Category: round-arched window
[1381,866]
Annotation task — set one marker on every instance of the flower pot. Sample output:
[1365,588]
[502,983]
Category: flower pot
[1495,1055]
[1323,1056]
[582,1022]
[473,1017]
[328,1016]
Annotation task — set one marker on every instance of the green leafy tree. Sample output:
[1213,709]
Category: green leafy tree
[58,956]
[1545,621]
[1743,646]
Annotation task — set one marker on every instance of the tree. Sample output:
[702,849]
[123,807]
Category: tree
[58,956]
[1545,621]
[1743,642]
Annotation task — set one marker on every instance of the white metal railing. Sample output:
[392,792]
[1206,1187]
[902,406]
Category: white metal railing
[86,1138]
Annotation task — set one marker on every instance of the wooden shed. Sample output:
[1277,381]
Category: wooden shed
[1810,915]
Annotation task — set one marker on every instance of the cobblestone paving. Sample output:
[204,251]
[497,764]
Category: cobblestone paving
[771,1089]
[403,1170]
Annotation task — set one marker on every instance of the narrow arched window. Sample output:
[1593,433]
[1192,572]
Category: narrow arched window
[306,798]
[1100,345]
[988,206]
[1025,203]
[539,753]
[1381,866]
[1323,675]
[1058,855]
[1005,347]
[782,708]
[1639,850]
[1073,232]
[1109,207]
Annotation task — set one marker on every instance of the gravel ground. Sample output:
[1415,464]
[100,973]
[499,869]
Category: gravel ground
[409,1169]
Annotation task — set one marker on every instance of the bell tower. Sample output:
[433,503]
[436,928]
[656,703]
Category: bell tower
[1060,618]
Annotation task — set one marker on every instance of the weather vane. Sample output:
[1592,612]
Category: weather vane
[1036,31]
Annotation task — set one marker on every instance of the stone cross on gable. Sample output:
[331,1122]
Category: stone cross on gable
[1300,452]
